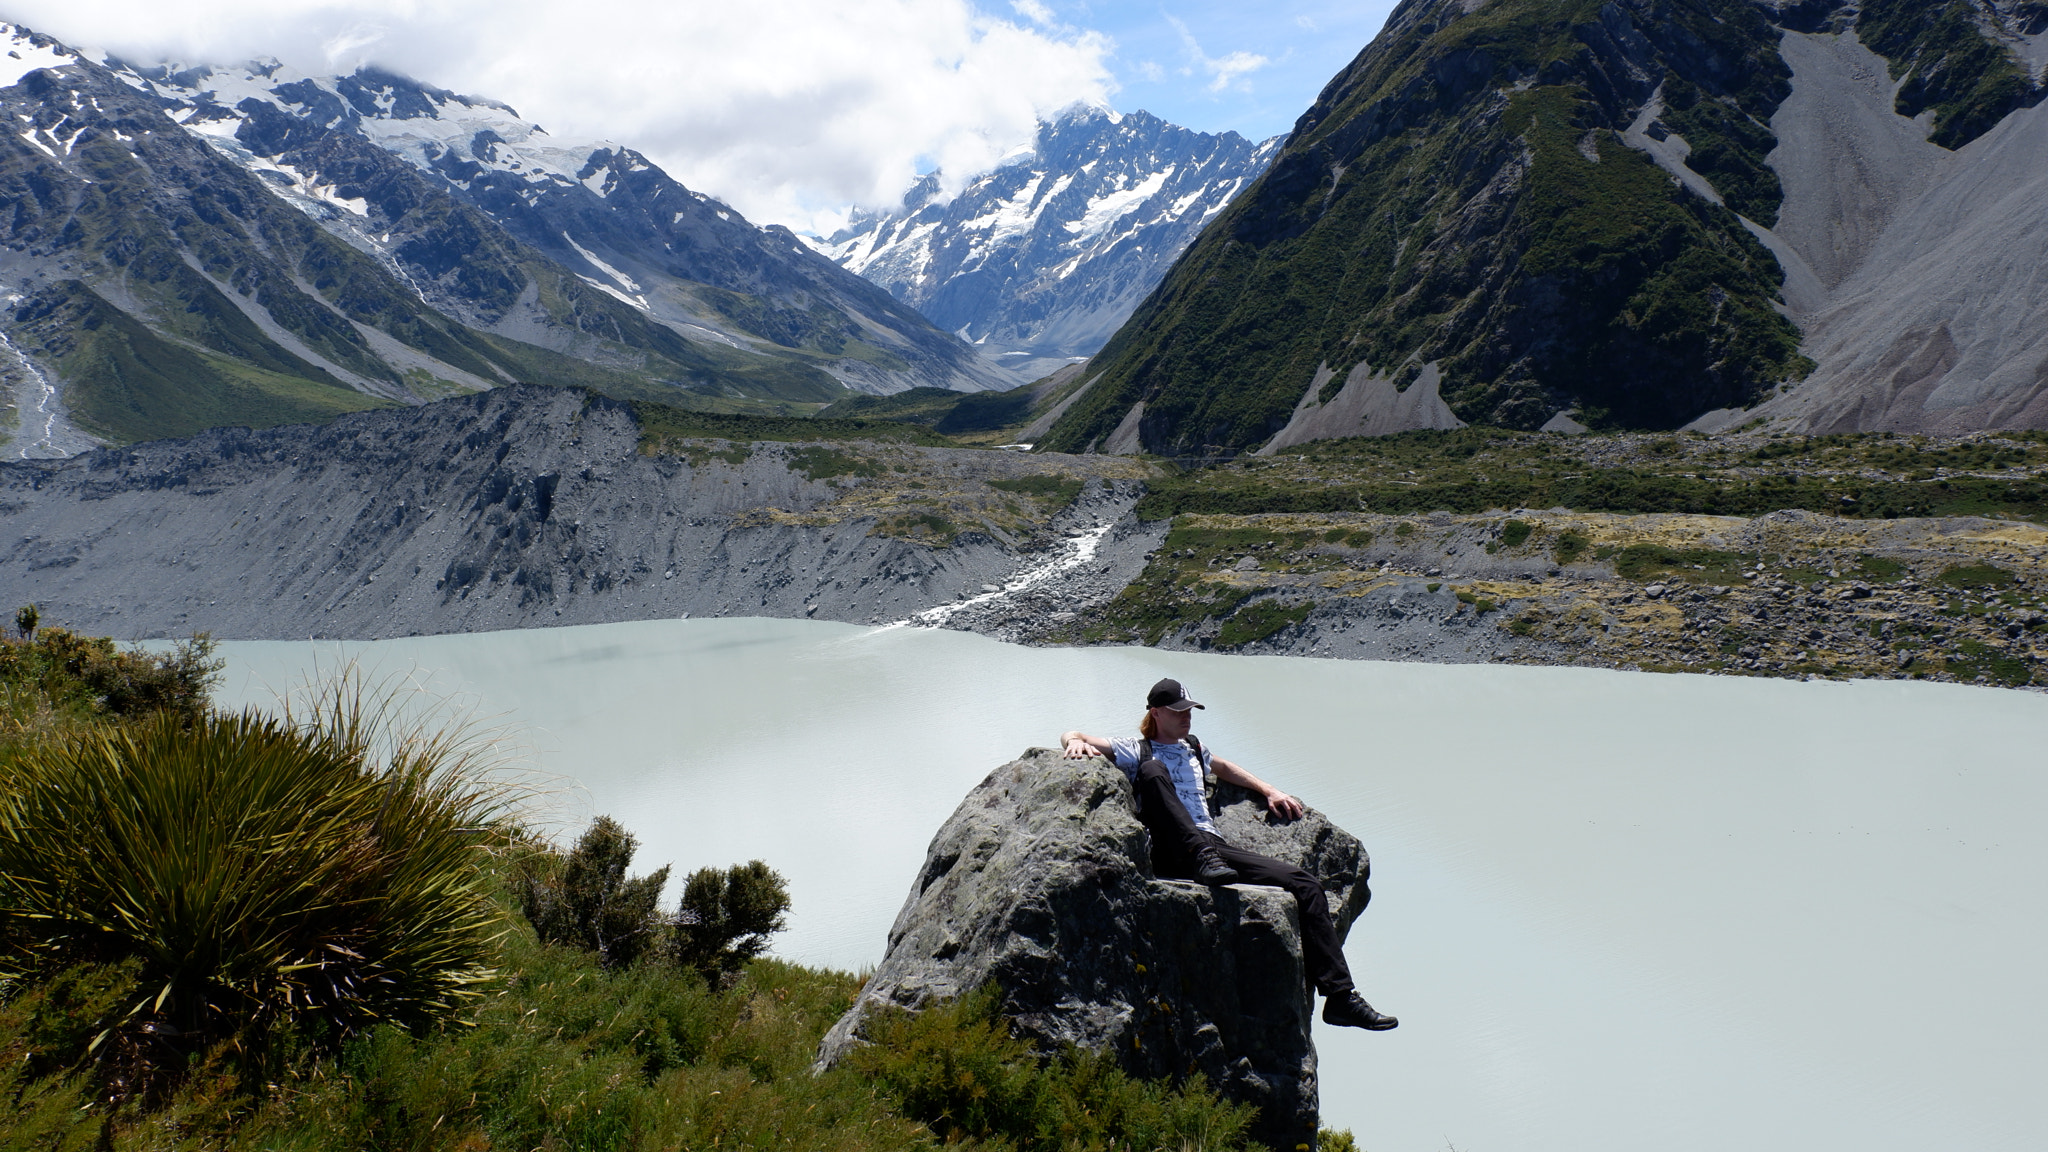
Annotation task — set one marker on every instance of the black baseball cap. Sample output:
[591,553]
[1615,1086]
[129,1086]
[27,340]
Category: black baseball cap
[1169,694]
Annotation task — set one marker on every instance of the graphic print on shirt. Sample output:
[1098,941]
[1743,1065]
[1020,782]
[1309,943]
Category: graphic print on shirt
[1178,759]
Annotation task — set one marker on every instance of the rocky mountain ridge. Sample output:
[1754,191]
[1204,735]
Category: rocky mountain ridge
[173,262]
[1040,259]
[1562,213]
[620,223]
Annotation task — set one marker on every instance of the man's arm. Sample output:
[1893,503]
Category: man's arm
[1080,746]
[1277,802]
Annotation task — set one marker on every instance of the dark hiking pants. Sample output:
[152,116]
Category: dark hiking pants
[1174,841]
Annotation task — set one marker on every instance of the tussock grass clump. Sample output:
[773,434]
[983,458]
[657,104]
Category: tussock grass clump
[257,871]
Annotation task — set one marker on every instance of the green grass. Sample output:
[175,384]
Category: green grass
[661,423]
[1053,491]
[1977,576]
[127,383]
[1255,622]
[944,410]
[1644,562]
[1479,469]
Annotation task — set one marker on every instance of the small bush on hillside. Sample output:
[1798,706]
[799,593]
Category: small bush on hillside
[726,918]
[1258,621]
[584,899]
[88,672]
[1976,576]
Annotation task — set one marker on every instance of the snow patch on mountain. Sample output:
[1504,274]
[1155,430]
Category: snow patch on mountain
[1045,255]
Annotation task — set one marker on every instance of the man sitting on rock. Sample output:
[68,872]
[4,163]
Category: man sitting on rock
[1174,807]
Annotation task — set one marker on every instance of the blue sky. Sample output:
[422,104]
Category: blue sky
[1175,59]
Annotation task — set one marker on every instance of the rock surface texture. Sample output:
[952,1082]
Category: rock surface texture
[1041,883]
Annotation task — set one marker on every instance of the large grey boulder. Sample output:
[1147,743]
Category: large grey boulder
[1041,882]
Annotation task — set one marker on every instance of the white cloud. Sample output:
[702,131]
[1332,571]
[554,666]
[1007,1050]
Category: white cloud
[1224,71]
[787,109]
[1035,12]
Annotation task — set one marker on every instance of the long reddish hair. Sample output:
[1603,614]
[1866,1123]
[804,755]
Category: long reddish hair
[1147,727]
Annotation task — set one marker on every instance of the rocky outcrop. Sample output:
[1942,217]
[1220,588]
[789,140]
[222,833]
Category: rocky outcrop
[1041,883]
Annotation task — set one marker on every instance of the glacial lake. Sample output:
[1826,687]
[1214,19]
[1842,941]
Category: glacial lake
[1614,911]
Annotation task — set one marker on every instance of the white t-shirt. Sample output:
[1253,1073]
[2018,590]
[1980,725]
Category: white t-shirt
[1178,759]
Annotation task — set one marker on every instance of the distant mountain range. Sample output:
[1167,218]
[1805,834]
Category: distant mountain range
[1620,214]
[193,246]
[1041,259]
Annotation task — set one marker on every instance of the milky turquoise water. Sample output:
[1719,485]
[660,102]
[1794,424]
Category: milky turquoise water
[1614,911]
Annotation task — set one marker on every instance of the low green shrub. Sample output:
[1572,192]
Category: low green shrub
[1976,576]
[584,899]
[820,463]
[1515,532]
[957,1069]
[1570,545]
[726,916]
[1054,491]
[1255,622]
[90,673]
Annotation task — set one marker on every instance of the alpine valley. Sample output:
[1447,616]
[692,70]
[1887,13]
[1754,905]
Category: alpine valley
[196,246]
[1782,261]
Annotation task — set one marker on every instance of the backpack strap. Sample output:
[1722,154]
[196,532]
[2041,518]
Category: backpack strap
[1202,766]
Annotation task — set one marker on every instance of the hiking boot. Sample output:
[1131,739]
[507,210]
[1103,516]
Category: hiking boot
[1351,1011]
[1210,868]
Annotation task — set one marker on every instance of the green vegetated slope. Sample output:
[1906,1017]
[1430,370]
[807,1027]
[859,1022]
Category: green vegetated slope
[1955,58]
[944,410]
[1862,476]
[663,422]
[1460,194]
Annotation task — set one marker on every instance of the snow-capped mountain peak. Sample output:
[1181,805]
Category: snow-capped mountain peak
[1042,257]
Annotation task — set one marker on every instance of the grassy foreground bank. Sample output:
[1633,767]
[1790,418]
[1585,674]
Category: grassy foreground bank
[312,932]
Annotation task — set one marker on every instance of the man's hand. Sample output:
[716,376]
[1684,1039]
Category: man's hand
[1284,806]
[1081,750]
